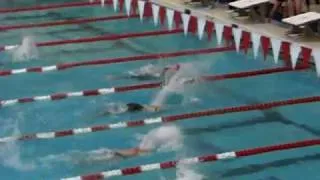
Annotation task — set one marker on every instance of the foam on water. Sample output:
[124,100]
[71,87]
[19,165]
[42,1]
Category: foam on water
[26,51]
[164,138]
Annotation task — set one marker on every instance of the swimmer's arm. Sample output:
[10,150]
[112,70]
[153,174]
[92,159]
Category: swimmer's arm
[130,152]
[127,152]
[152,108]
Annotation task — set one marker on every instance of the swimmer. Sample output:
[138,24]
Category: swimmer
[135,107]
[109,155]
[182,81]
[175,67]
[148,72]
[168,137]
[131,107]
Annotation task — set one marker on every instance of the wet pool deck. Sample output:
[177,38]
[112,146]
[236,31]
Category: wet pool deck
[220,14]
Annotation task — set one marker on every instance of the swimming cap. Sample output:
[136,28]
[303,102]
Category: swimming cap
[133,107]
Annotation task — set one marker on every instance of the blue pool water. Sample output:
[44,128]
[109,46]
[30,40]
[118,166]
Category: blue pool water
[43,159]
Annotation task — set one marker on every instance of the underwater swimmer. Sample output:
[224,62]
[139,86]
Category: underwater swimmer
[131,107]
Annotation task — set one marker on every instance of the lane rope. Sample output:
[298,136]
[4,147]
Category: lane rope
[65,22]
[157,56]
[51,6]
[98,38]
[196,160]
[161,120]
[105,91]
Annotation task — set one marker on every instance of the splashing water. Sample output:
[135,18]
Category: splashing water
[164,138]
[26,51]
[10,154]
[78,157]
[174,83]
[147,70]
[185,172]
[116,108]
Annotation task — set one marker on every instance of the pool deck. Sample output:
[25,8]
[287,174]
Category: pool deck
[220,14]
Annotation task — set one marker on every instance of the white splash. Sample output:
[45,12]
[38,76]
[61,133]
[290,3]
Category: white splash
[164,138]
[10,153]
[26,51]
[116,108]
[147,70]
[185,172]
[175,82]
[78,157]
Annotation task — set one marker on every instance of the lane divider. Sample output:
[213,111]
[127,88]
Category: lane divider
[158,56]
[99,38]
[104,91]
[197,160]
[65,22]
[51,6]
[160,120]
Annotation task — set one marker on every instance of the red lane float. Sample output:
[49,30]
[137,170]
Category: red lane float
[145,57]
[196,160]
[104,91]
[66,22]
[100,38]
[160,120]
[51,6]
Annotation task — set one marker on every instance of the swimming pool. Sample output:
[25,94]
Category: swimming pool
[44,159]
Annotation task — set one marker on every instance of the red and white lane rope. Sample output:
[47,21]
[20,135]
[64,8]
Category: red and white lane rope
[65,22]
[99,38]
[158,56]
[51,6]
[105,91]
[196,160]
[160,120]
